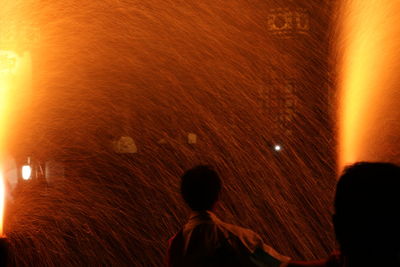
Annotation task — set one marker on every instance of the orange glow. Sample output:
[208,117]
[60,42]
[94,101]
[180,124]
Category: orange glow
[2,202]
[15,79]
[8,67]
[369,93]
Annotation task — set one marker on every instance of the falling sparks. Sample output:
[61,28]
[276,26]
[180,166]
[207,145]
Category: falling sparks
[126,95]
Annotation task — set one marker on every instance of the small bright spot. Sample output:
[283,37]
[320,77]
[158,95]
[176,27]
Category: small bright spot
[26,172]
[277,148]
[192,138]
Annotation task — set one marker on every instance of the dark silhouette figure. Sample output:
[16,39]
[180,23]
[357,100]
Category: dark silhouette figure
[207,241]
[367,217]
[3,252]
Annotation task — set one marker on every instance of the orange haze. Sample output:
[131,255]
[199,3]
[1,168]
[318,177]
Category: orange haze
[368,81]
[2,199]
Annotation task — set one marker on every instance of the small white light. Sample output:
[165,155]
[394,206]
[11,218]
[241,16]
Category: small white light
[26,172]
[277,148]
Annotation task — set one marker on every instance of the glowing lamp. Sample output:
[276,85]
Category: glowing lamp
[26,172]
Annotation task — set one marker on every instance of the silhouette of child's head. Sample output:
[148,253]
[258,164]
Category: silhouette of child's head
[200,187]
[367,207]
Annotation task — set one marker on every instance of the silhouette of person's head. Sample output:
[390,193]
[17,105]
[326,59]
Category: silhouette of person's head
[200,187]
[366,219]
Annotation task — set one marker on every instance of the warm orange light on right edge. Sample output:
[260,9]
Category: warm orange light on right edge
[370,50]
[2,202]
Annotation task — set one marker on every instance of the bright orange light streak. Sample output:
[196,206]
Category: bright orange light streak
[15,77]
[2,202]
[370,49]
[8,66]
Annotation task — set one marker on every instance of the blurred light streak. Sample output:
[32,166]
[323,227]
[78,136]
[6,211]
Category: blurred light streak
[2,202]
[15,78]
[8,66]
[369,48]
[8,62]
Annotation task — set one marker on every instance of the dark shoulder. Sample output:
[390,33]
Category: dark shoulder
[175,250]
[177,238]
[333,261]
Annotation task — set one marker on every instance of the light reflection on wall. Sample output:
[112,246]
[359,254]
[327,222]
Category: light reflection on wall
[15,79]
[368,81]
[2,200]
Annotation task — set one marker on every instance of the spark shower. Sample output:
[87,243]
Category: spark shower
[154,72]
